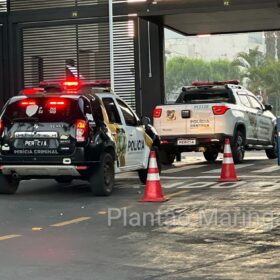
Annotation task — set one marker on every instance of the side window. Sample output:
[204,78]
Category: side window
[112,111]
[255,103]
[87,110]
[244,100]
[96,110]
[129,117]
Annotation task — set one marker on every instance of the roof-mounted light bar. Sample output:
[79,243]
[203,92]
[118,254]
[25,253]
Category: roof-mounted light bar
[32,91]
[221,83]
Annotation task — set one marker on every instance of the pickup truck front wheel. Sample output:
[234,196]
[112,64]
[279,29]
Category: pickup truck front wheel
[8,185]
[167,158]
[103,179]
[238,147]
[211,155]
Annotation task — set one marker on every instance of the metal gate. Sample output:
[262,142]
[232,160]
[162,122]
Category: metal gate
[48,51]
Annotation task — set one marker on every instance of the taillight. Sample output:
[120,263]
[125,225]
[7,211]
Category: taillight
[219,110]
[81,130]
[57,103]
[157,112]
[1,127]
[28,102]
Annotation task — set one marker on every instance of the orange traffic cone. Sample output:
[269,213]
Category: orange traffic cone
[153,191]
[228,173]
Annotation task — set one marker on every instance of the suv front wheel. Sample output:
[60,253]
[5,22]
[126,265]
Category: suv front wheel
[103,179]
[238,147]
[167,158]
[8,185]
[143,173]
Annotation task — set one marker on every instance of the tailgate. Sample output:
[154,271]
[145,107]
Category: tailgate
[39,139]
[185,119]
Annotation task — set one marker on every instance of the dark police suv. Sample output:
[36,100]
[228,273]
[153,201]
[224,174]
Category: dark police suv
[72,135]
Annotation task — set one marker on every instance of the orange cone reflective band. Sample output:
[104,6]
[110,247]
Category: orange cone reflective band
[228,173]
[153,191]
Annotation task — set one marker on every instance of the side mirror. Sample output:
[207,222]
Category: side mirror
[268,107]
[145,120]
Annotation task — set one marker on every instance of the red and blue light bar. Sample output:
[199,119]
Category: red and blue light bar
[218,83]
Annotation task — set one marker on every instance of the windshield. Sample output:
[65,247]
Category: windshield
[205,96]
[43,110]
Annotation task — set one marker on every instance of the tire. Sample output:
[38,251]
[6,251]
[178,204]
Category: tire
[238,147]
[143,173]
[167,158]
[64,180]
[102,181]
[8,185]
[211,155]
[272,153]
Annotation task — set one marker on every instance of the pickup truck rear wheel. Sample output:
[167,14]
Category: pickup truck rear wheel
[272,153]
[8,185]
[238,147]
[103,179]
[211,155]
[143,173]
[166,157]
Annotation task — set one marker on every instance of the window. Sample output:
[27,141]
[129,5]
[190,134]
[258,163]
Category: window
[255,103]
[205,96]
[129,117]
[112,111]
[87,110]
[244,100]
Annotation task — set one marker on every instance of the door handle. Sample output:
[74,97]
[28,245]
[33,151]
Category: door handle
[131,134]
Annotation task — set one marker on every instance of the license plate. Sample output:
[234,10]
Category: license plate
[36,143]
[186,142]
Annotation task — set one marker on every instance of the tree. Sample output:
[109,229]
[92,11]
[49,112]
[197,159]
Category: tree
[250,65]
[182,71]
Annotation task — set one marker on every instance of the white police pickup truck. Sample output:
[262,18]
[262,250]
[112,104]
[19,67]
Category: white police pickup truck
[208,112]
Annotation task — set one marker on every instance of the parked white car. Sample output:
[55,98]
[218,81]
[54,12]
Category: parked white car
[208,112]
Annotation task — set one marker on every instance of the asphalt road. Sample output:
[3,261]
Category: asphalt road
[206,230]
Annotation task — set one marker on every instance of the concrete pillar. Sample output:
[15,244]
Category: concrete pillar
[149,67]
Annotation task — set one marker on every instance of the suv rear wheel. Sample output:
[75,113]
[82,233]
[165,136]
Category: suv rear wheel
[8,185]
[143,173]
[166,157]
[211,155]
[103,179]
[238,147]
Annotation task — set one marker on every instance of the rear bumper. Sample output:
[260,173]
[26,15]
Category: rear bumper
[203,142]
[43,170]
[29,167]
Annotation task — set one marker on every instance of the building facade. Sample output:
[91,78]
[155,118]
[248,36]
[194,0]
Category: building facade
[40,40]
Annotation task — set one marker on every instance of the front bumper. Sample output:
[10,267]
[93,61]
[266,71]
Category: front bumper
[203,142]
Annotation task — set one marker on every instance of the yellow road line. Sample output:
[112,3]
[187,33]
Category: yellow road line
[37,229]
[6,237]
[175,194]
[75,221]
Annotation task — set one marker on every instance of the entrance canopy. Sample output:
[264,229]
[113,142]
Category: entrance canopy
[192,17]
